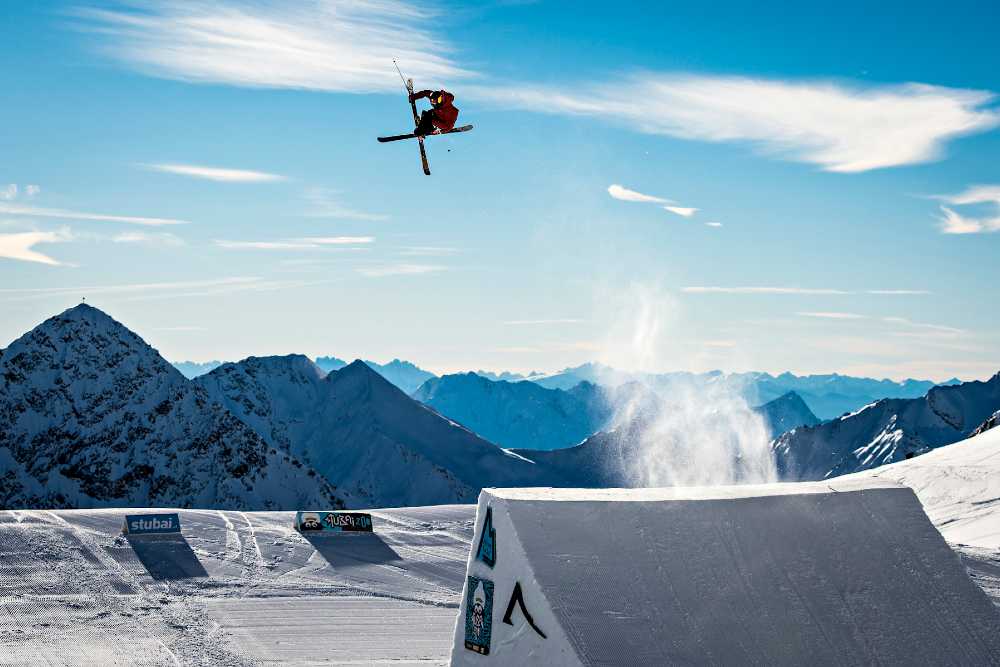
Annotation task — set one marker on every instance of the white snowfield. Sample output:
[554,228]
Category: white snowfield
[838,572]
[243,588]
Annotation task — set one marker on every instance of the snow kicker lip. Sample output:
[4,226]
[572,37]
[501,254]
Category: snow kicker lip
[838,572]
[337,522]
[151,524]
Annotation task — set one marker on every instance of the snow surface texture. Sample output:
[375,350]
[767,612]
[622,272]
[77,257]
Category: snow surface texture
[235,589]
[76,592]
[92,416]
[887,431]
[832,573]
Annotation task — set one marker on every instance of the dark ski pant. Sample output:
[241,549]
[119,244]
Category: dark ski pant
[426,124]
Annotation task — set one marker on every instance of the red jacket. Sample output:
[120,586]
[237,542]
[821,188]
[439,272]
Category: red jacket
[445,113]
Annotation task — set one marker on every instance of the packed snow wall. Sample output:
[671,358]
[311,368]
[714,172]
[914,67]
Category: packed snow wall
[779,574]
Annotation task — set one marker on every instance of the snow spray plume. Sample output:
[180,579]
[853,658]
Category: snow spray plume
[682,429]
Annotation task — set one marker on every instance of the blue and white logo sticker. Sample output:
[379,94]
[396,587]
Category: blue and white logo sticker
[151,524]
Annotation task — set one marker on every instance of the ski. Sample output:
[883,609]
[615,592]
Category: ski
[398,137]
[416,122]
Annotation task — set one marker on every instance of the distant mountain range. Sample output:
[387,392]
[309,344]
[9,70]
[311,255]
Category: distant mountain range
[403,374]
[92,416]
[887,431]
[827,396]
[526,415]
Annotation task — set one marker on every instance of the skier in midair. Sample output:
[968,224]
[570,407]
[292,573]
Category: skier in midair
[440,117]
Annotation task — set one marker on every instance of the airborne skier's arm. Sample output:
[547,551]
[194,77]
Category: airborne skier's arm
[420,95]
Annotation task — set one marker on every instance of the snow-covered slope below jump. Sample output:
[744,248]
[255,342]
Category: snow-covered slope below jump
[377,445]
[92,416]
[886,431]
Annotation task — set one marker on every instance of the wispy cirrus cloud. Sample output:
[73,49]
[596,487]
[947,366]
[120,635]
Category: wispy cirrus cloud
[218,174]
[682,211]
[624,194]
[20,246]
[832,315]
[713,224]
[36,212]
[399,270]
[840,127]
[158,290]
[342,46]
[796,290]
[325,203]
[11,191]
[305,243]
[563,320]
[954,222]
[149,238]
[761,290]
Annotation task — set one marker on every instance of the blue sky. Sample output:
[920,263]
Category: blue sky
[207,173]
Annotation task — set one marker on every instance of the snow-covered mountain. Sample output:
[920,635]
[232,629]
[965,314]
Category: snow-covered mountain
[376,444]
[827,396]
[403,374]
[992,422]
[192,369]
[92,416]
[887,431]
[519,414]
[787,412]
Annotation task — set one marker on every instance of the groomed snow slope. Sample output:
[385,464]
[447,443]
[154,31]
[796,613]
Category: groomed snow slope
[786,574]
[236,589]
[73,592]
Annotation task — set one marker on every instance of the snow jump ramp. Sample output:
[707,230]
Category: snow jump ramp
[845,573]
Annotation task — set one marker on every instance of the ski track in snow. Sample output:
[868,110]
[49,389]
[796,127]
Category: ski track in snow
[244,588]
[238,588]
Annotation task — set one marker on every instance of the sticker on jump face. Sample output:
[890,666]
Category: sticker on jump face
[479,615]
[487,551]
[517,599]
[333,521]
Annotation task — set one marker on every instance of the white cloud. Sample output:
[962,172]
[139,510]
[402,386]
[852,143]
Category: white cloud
[841,127]
[624,194]
[760,290]
[19,246]
[713,224]
[833,315]
[31,191]
[324,203]
[399,270]
[32,211]
[954,222]
[338,240]
[8,192]
[217,174]
[681,210]
[306,243]
[147,238]
[923,329]
[567,320]
[429,251]
[160,290]
[330,45]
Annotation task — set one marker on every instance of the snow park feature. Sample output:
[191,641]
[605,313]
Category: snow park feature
[151,524]
[841,572]
[336,522]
